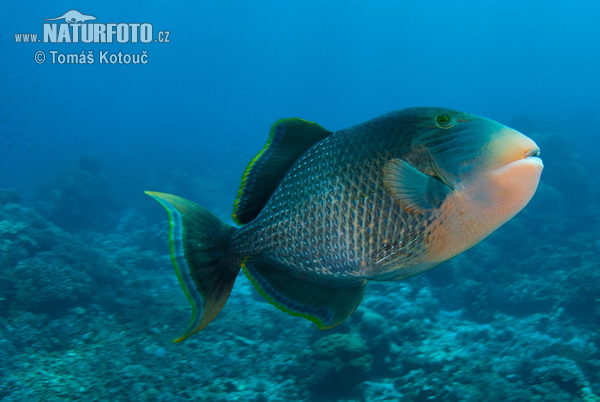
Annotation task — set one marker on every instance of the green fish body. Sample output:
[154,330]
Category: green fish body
[322,213]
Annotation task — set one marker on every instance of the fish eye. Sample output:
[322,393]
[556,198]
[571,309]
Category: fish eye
[444,121]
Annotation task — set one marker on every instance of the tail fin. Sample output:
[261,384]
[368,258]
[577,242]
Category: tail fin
[199,243]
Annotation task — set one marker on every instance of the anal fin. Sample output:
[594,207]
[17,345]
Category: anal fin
[324,304]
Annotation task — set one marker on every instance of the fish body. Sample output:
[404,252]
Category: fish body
[323,213]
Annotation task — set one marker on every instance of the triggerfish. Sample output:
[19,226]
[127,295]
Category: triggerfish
[322,213]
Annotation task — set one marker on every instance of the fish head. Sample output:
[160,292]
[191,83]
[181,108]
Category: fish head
[491,172]
[498,164]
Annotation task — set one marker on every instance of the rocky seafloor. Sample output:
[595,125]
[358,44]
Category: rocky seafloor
[89,312]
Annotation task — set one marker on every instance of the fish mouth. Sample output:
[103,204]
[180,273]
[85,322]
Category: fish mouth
[530,162]
[533,153]
[533,158]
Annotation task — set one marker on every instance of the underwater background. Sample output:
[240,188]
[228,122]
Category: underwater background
[89,302]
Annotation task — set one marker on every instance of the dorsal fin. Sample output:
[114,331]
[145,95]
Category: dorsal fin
[288,140]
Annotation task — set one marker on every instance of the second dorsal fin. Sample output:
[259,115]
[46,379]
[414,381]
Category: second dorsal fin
[288,140]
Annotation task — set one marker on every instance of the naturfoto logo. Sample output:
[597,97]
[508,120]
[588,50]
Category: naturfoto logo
[77,28]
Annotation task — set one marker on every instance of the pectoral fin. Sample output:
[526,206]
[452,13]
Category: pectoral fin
[412,189]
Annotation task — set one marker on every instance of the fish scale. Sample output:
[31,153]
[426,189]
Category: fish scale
[355,233]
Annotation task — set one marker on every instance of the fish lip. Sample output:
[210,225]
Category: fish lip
[532,160]
[533,153]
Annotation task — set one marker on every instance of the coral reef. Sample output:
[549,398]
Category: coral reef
[338,363]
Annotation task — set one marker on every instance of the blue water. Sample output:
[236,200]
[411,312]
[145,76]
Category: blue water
[88,300]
